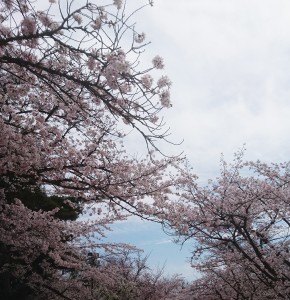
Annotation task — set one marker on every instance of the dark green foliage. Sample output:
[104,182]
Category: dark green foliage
[34,198]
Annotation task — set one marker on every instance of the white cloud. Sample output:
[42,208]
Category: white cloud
[229,62]
[164,241]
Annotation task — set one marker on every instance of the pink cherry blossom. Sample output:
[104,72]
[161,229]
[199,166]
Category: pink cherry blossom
[158,62]
[240,228]
[164,81]
[118,3]
[139,38]
[68,81]
[28,26]
[147,81]
[165,98]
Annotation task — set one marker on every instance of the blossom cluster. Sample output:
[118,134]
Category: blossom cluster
[158,62]
[147,81]
[139,38]
[165,98]
[117,66]
[28,26]
[118,3]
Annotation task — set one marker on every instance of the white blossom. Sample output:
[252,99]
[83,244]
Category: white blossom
[163,82]
[154,119]
[78,18]
[139,38]
[147,81]
[97,24]
[118,3]
[165,98]
[28,26]
[158,62]
[45,19]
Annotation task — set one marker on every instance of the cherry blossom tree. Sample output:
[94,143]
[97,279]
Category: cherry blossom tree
[240,225]
[71,87]
[133,279]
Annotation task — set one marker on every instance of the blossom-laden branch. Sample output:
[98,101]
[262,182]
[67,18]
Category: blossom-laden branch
[69,80]
[66,84]
[240,228]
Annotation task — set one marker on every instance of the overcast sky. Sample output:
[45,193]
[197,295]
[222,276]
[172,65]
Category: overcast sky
[229,61]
